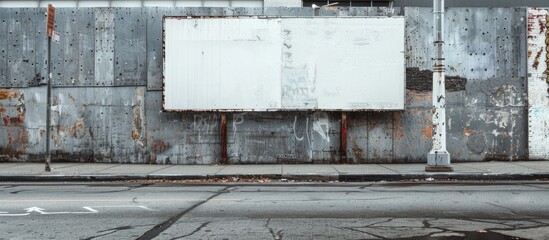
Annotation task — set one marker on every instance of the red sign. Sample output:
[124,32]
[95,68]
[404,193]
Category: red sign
[51,20]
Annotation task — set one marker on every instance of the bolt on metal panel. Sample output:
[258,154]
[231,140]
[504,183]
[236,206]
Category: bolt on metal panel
[4,69]
[119,126]
[154,63]
[72,134]
[41,47]
[73,58]
[21,44]
[104,47]
[181,138]
[130,47]
[481,42]
[288,11]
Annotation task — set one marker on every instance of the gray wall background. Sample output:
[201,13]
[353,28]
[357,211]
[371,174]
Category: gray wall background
[107,98]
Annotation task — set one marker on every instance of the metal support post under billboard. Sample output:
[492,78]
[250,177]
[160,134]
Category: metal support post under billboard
[438,159]
[49,33]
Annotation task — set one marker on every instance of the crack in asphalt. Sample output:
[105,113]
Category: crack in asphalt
[156,230]
[113,230]
[193,232]
[276,236]
[506,208]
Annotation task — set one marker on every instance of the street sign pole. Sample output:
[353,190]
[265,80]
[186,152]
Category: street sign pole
[438,159]
[49,33]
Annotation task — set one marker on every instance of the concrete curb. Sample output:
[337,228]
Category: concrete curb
[290,177]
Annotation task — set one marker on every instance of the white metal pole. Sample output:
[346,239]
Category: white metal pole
[438,159]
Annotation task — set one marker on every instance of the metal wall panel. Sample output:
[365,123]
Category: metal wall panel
[181,138]
[22,123]
[20,40]
[480,42]
[486,109]
[72,134]
[4,69]
[104,47]
[73,58]
[130,47]
[154,43]
[290,137]
[538,84]
[119,125]
[308,75]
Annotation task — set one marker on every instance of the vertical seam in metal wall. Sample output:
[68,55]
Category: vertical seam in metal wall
[145,17]
[526,79]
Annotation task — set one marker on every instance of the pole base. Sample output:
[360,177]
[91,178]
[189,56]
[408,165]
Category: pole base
[438,161]
[439,168]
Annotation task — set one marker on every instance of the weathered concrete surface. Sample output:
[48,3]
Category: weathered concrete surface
[107,104]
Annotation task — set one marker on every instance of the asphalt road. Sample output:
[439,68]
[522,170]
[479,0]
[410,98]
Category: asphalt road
[275,211]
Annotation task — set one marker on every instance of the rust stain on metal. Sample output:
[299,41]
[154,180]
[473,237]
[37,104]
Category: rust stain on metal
[428,131]
[529,53]
[536,60]
[72,98]
[2,110]
[91,133]
[135,135]
[224,159]
[137,121]
[160,146]
[541,25]
[398,130]
[357,150]
[468,132]
[7,93]
[547,49]
[343,149]
[14,121]
[77,127]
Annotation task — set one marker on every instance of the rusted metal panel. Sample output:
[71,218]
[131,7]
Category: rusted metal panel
[268,137]
[104,46]
[380,137]
[130,47]
[481,42]
[72,134]
[73,58]
[486,118]
[181,138]
[22,124]
[293,137]
[119,125]
[538,84]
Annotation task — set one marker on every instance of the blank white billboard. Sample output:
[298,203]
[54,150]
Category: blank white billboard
[270,64]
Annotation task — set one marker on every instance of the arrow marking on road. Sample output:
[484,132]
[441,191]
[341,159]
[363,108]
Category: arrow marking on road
[41,211]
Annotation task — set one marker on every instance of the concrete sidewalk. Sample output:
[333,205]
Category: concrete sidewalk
[523,170]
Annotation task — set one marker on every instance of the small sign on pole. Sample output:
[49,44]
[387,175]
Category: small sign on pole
[51,20]
[56,37]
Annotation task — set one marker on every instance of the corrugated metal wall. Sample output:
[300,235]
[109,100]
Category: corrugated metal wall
[107,99]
